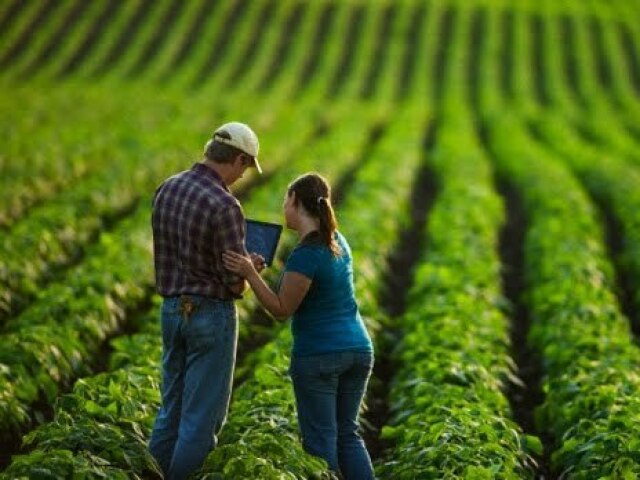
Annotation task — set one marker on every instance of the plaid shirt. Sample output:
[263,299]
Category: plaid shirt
[195,218]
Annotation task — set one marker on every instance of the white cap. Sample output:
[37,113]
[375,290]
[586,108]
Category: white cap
[240,136]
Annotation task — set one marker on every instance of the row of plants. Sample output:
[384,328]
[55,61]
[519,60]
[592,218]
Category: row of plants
[101,428]
[58,234]
[149,55]
[132,159]
[572,94]
[56,339]
[600,93]
[568,412]
[85,51]
[148,41]
[574,399]
[42,158]
[135,362]
[589,360]
[449,415]
[610,180]
[600,164]
[55,167]
[219,65]
[623,69]
[65,41]
[16,37]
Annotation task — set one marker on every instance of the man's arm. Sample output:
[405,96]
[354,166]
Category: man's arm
[230,234]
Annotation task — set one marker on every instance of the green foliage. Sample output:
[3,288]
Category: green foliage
[102,100]
[592,393]
[449,416]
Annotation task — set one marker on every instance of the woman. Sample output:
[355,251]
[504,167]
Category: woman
[332,353]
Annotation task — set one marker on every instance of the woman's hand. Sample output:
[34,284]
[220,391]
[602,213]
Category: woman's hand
[238,264]
[258,261]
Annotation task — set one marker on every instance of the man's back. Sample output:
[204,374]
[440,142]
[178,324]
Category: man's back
[195,218]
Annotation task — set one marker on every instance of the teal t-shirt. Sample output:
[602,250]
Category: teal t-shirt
[328,319]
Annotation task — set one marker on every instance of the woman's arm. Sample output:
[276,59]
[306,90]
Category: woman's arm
[293,287]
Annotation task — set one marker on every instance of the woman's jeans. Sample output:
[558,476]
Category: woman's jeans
[329,389]
[199,337]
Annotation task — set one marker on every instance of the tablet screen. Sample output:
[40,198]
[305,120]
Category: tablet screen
[262,238]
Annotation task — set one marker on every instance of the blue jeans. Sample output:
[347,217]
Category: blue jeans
[329,389]
[198,359]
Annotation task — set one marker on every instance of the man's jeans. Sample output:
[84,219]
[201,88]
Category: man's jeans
[199,348]
[329,389]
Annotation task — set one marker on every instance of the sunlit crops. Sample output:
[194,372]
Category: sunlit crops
[485,157]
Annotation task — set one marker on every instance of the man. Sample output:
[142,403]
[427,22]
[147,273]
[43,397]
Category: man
[195,219]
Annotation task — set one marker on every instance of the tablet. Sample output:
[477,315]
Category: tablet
[262,238]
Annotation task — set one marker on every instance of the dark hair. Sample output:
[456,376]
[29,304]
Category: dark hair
[221,152]
[314,193]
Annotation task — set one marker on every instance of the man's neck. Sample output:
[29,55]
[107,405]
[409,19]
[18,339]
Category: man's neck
[220,168]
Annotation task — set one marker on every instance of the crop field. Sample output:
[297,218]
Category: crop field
[485,161]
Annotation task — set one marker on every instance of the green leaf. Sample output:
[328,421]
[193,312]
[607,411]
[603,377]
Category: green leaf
[93,408]
[533,444]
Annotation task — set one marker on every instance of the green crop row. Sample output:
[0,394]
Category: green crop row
[449,415]
[587,355]
[94,41]
[56,233]
[590,363]
[55,339]
[611,181]
[572,75]
[50,163]
[604,97]
[36,168]
[450,418]
[600,164]
[100,429]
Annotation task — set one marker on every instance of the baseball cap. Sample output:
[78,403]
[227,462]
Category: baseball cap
[240,136]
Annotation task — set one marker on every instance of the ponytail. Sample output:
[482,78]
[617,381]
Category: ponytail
[328,225]
[314,192]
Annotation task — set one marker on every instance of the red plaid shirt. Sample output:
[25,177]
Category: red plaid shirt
[195,218]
